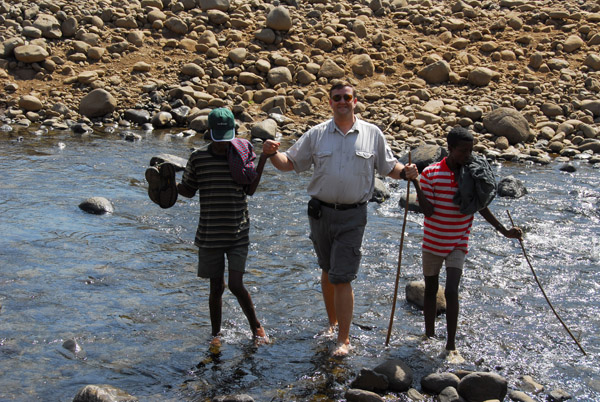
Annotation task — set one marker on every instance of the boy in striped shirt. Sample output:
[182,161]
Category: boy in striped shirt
[446,233]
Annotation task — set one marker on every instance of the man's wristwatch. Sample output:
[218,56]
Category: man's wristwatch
[403,173]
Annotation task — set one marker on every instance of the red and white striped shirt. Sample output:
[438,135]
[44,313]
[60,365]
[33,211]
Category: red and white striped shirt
[447,229]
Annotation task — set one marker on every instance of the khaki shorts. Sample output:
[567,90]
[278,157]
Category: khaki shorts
[337,239]
[211,261]
[432,263]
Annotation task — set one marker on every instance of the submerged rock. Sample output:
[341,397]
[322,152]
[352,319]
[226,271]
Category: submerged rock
[97,206]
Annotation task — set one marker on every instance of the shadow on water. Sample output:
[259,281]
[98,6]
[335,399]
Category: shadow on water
[125,286]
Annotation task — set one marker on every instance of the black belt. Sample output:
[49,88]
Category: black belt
[341,207]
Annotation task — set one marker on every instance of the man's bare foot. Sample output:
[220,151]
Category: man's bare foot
[341,350]
[260,337]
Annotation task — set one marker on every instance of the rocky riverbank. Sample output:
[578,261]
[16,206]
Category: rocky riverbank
[523,75]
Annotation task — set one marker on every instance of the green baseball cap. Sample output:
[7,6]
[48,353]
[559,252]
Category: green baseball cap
[221,124]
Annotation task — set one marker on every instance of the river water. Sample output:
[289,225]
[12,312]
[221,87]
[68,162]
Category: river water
[124,286]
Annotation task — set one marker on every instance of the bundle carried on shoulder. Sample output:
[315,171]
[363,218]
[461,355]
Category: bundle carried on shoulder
[241,158]
[476,186]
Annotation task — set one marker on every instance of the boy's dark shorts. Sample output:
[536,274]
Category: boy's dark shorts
[211,261]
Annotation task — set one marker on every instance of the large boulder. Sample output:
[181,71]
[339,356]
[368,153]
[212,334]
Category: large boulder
[97,103]
[361,64]
[398,373]
[49,25]
[480,386]
[279,75]
[425,155]
[330,69]
[265,130]
[222,5]
[507,122]
[415,294]
[30,53]
[279,19]
[435,73]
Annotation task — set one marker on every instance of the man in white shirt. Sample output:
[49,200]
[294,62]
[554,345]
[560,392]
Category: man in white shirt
[345,152]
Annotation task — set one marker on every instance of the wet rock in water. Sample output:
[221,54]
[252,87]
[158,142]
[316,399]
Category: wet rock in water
[137,116]
[398,373]
[175,160]
[480,386]
[528,384]
[519,396]
[413,202]
[558,395]
[450,394]
[435,383]
[81,128]
[233,398]
[359,395]
[567,167]
[97,206]
[369,380]
[103,393]
[380,193]
[415,294]
[511,187]
[130,136]
[73,346]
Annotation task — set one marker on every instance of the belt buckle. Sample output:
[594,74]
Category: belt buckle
[335,207]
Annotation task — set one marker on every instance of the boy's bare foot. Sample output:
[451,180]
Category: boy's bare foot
[260,337]
[452,356]
[341,350]
[215,344]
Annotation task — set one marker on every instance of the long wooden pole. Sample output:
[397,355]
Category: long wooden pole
[389,332]
[542,289]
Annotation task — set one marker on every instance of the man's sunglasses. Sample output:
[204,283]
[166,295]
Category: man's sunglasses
[346,97]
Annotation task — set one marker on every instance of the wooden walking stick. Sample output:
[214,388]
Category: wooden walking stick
[387,339]
[542,289]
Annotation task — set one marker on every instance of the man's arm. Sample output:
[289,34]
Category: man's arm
[278,159]
[512,233]
[404,172]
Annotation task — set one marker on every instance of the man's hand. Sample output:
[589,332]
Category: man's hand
[270,147]
[411,171]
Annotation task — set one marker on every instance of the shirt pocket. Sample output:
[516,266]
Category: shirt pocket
[364,163]
[323,160]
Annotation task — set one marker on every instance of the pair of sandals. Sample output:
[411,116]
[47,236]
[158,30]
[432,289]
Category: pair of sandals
[162,186]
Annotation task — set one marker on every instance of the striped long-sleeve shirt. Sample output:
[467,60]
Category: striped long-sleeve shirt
[447,229]
[224,220]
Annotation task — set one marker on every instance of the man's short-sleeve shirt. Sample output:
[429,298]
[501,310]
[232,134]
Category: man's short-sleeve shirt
[447,229]
[344,165]
[224,220]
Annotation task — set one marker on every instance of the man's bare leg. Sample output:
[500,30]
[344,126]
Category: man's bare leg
[328,291]
[344,306]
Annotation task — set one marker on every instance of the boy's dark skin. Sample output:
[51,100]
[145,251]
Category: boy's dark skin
[235,282]
[457,157]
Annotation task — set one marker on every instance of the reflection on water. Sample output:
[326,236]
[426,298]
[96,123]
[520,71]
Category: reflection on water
[124,285]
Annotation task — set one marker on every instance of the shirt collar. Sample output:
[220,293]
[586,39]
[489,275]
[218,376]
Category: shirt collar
[333,128]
